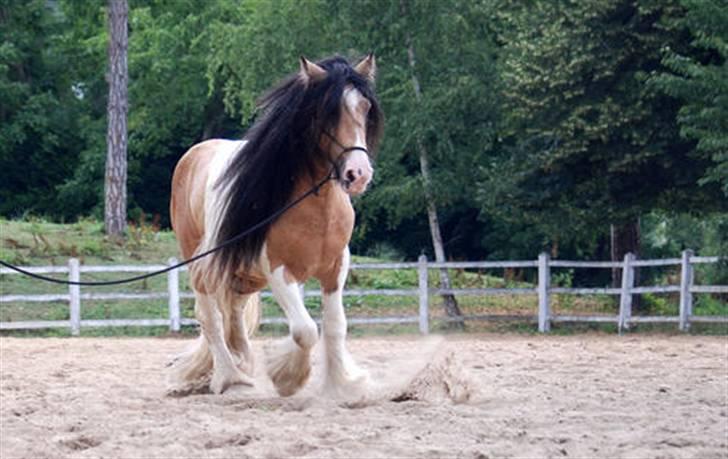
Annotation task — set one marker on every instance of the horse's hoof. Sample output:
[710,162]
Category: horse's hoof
[290,381]
[289,366]
[222,380]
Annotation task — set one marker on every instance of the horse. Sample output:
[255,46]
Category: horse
[321,122]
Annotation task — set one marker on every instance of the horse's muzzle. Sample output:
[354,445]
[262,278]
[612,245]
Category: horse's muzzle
[356,173]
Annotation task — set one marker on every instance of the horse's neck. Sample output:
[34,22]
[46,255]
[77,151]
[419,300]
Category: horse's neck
[330,197]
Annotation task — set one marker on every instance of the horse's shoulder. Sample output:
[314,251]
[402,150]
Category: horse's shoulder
[219,154]
[214,149]
[192,183]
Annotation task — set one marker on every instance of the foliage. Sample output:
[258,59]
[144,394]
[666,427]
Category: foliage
[590,143]
[545,121]
[142,232]
[39,113]
[706,305]
[699,78]
[667,234]
[456,119]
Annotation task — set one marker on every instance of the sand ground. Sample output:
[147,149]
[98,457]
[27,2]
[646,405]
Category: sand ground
[469,396]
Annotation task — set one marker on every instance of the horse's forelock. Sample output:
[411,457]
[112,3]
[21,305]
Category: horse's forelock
[341,74]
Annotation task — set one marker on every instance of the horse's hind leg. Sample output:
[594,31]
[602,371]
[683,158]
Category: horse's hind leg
[288,360]
[243,320]
[343,375]
[212,321]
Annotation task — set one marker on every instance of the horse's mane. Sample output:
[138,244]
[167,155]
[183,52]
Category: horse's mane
[282,148]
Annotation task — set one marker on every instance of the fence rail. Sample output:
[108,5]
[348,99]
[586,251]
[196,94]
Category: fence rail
[424,292]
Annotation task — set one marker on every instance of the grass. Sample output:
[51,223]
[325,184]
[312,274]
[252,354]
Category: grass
[35,242]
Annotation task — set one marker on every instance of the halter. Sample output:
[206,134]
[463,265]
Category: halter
[336,164]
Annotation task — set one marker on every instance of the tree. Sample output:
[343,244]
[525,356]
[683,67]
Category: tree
[116,160]
[174,104]
[174,107]
[590,144]
[698,77]
[40,118]
[84,40]
[455,119]
[451,305]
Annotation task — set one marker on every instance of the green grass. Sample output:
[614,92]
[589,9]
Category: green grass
[35,242]
[38,242]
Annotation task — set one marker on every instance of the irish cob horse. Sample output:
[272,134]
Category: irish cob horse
[322,121]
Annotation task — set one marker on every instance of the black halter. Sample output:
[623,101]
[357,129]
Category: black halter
[337,163]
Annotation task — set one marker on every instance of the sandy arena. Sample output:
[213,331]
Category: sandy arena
[474,396]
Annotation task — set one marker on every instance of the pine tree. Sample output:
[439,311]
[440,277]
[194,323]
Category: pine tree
[117,140]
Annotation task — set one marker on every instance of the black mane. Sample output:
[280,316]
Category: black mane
[281,149]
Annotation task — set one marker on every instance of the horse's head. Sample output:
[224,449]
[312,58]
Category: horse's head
[355,125]
[324,116]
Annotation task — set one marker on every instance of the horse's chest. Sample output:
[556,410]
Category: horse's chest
[310,240]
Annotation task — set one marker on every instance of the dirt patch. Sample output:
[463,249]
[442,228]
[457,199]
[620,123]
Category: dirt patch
[464,396]
[440,381]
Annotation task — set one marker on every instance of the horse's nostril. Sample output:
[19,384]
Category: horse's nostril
[350,176]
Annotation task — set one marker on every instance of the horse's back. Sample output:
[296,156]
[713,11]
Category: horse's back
[189,186]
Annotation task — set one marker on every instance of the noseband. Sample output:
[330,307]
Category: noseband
[348,149]
[337,163]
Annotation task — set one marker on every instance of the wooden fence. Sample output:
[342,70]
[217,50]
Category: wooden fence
[543,290]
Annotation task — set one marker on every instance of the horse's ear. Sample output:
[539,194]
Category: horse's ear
[311,72]
[367,67]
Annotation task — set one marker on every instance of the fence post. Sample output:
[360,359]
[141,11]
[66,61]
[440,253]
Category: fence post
[424,300]
[625,297]
[173,290]
[544,281]
[686,298]
[74,292]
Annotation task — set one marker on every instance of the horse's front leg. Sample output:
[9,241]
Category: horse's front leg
[343,375]
[289,360]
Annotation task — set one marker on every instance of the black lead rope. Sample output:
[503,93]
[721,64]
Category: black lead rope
[314,190]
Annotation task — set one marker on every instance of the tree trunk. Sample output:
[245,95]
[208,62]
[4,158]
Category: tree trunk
[450,303]
[116,138]
[625,238]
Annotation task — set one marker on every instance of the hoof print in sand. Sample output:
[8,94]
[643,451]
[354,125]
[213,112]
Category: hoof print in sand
[81,443]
